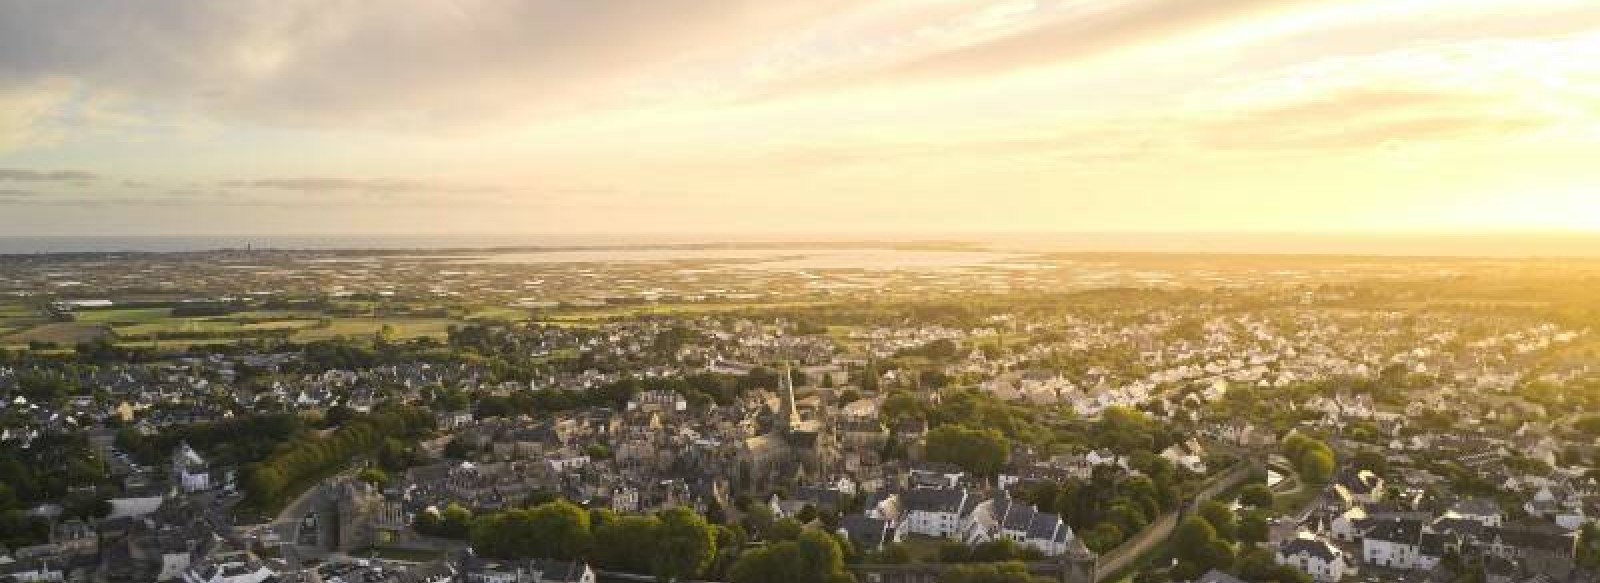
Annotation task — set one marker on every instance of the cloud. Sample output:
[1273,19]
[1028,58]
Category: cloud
[1365,117]
[25,175]
[1070,31]
[326,184]
[399,62]
[26,107]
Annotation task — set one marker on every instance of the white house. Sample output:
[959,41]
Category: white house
[189,470]
[933,513]
[1484,511]
[1315,557]
[1399,544]
[1005,518]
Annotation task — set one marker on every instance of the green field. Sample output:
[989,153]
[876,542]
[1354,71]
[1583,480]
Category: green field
[595,315]
[368,327]
[122,316]
[63,333]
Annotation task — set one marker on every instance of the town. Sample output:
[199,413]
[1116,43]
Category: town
[1094,419]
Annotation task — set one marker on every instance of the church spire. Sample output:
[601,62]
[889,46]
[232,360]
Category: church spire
[788,413]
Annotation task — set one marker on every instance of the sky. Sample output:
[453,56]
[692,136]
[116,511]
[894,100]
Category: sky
[192,117]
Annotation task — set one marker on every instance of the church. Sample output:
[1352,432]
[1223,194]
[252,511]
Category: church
[795,447]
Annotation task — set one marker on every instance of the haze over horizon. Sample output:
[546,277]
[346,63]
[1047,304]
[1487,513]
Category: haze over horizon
[903,117]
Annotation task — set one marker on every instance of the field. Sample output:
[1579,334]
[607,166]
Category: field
[590,316]
[21,325]
[146,326]
[368,327]
[63,333]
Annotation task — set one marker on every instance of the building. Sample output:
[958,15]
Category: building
[794,450]
[189,472]
[934,513]
[1313,556]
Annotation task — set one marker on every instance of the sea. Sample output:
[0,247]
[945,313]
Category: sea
[1555,245]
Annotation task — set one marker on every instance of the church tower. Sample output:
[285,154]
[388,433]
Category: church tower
[788,412]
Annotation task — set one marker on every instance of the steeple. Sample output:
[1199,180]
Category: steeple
[788,413]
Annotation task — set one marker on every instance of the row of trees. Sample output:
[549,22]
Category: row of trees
[675,544]
[310,456]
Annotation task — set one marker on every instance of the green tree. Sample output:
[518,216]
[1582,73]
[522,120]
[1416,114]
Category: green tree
[1257,495]
[815,557]
[991,573]
[1254,526]
[1221,518]
[983,452]
[557,530]
[685,545]
[1316,466]
[373,476]
[1103,537]
[619,544]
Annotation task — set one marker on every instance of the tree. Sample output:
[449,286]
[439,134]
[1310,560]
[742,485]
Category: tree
[1257,495]
[1193,533]
[1254,526]
[1103,537]
[618,543]
[1312,459]
[373,476]
[892,554]
[1588,553]
[1198,549]
[983,452]
[1316,466]
[1221,519]
[685,545]
[784,529]
[455,521]
[557,530]
[815,557]
[1260,565]
[991,573]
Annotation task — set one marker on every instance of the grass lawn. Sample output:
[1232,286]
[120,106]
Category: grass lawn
[64,333]
[123,316]
[396,554]
[1294,500]
[177,343]
[176,326]
[607,312]
[368,327]
[501,313]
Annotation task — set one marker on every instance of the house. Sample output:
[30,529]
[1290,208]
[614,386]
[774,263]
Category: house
[1358,487]
[189,470]
[32,570]
[480,570]
[1401,543]
[935,476]
[1187,455]
[1003,517]
[865,532]
[934,513]
[1484,511]
[1314,556]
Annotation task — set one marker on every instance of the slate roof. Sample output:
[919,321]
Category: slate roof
[1396,530]
[951,501]
[1308,546]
